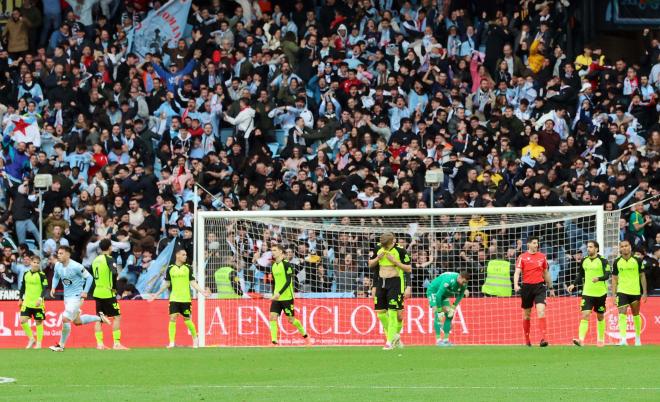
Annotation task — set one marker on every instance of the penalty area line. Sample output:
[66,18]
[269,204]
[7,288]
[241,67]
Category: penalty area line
[354,387]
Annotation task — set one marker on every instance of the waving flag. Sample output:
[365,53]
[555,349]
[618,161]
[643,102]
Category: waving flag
[151,279]
[24,129]
[165,25]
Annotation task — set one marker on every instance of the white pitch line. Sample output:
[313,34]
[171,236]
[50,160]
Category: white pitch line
[358,387]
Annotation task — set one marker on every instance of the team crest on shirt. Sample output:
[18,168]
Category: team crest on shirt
[67,281]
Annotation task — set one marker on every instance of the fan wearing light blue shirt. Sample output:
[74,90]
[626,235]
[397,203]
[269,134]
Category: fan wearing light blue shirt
[80,159]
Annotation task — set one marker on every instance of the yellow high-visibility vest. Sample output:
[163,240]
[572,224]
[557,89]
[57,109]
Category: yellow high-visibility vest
[498,279]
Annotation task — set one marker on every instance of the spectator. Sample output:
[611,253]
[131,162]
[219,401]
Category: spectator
[55,241]
[7,278]
[17,33]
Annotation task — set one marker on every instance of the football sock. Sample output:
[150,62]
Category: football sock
[446,327]
[526,326]
[542,326]
[191,327]
[40,332]
[623,323]
[584,328]
[601,330]
[99,337]
[382,316]
[171,330]
[66,330]
[392,325]
[116,336]
[299,326]
[436,326]
[27,329]
[638,325]
[273,330]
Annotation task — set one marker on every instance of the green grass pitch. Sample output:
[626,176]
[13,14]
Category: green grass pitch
[334,374]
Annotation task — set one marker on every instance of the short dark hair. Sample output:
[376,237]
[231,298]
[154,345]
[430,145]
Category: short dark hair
[65,248]
[465,274]
[595,243]
[532,238]
[105,244]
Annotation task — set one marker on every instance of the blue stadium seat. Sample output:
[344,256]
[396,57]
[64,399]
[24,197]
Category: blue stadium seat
[274,149]
[280,137]
[226,133]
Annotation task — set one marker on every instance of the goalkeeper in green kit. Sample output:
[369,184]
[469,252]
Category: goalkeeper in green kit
[449,284]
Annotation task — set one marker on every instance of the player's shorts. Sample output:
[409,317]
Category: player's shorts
[180,308]
[532,294]
[595,303]
[109,307]
[36,313]
[389,294]
[72,307]
[277,306]
[624,299]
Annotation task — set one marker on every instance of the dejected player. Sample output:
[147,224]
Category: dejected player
[394,265]
[629,287]
[536,280]
[180,277]
[449,284]
[104,269]
[34,289]
[595,271]
[283,298]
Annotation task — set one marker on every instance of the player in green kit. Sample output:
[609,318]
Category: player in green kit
[282,300]
[627,276]
[392,267]
[31,301]
[104,270]
[180,277]
[449,284]
[595,270]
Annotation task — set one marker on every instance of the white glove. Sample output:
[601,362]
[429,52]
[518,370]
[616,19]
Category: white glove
[450,313]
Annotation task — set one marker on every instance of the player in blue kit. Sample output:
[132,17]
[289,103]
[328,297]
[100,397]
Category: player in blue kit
[77,282]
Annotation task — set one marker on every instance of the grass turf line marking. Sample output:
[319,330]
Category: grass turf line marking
[357,387]
[6,380]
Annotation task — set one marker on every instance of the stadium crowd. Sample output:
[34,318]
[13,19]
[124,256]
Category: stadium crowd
[275,105]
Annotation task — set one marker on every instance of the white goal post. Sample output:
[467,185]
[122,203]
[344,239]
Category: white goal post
[332,287]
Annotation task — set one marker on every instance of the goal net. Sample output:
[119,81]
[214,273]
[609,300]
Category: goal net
[329,251]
